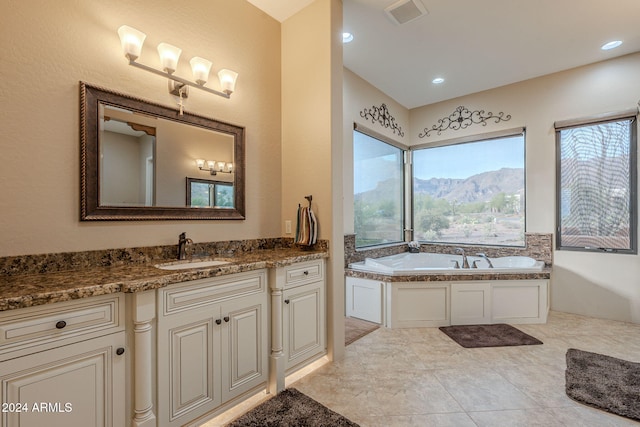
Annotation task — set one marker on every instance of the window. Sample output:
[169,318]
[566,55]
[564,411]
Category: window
[378,190]
[596,180]
[471,192]
[203,193]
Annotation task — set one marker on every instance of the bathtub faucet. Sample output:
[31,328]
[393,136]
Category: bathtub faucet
[465,263]
[183,241]
[481,255]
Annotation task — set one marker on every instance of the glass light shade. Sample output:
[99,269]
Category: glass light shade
[132,41]
[169,56]
[211,164]
[230,167]
[227,80]
[221,166]
[200,163]
[200,68]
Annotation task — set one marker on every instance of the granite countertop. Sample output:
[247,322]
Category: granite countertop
[454,276]
[19,291]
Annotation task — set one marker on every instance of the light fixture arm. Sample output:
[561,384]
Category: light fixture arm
[178,79]
[213,171]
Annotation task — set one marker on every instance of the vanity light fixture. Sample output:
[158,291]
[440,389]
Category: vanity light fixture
[214,167]
[132,41]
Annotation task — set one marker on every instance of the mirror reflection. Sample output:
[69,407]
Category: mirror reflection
[203,193]
[137,155]
[144,160]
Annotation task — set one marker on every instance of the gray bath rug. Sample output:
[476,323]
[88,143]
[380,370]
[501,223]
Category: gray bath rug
[498,335]
[290,408]
[604,382]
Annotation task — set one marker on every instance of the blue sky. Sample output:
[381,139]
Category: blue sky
[465,160]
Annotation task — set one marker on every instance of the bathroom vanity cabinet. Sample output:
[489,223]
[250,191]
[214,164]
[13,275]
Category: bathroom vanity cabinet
[304,313]
[141,346]
[212,344]
[63,364]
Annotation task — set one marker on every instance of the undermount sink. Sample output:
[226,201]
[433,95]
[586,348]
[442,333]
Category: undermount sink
[176,265]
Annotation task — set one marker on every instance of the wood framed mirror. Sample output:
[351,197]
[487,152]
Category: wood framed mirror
[136,154]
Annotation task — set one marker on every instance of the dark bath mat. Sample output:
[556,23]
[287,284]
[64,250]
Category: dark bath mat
[290,408]
[498,335]
[604,382]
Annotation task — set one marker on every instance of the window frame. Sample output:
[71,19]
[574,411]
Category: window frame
[632,117]
[213,193]
[506,133]
[404,190]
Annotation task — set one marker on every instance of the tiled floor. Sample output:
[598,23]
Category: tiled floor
[420,377]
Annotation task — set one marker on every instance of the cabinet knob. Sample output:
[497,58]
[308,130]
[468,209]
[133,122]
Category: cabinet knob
[218,321]
[306,273]
[226,318]
[61,324]
[120,351]
[287,301]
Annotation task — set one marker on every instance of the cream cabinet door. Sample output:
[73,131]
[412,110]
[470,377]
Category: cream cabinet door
[304,327]
[244,345]
[189,365]
[77,385]
[210,352]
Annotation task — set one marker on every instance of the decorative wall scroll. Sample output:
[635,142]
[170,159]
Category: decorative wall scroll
[462,118]
[381,115]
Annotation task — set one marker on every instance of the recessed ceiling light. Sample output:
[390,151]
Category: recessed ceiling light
[437,80]
[347,37]
[611,45]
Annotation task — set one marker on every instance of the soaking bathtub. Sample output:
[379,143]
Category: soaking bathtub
[411,290]
[426,263]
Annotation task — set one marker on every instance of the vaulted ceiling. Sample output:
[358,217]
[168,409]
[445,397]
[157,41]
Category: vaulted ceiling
[475,45]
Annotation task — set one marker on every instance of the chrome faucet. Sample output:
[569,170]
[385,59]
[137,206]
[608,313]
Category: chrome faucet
[465,263]
[183,241]
[481,255]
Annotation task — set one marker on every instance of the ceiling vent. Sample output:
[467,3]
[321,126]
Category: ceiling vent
[404,11]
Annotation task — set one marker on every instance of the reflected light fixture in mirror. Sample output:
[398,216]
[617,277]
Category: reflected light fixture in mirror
[214,167]
[132,41]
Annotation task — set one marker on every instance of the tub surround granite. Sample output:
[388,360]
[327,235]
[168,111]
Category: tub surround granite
[47,278]
[537,246]
[450,277]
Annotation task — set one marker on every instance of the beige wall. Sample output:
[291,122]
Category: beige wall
[600,285]
[47,49]
[311,138]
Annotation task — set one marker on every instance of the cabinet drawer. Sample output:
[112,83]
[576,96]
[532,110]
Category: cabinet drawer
[55,322]
[198,293]
[307,272]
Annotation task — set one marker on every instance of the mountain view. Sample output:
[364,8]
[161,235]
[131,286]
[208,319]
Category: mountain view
[477,188]
[487,207]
